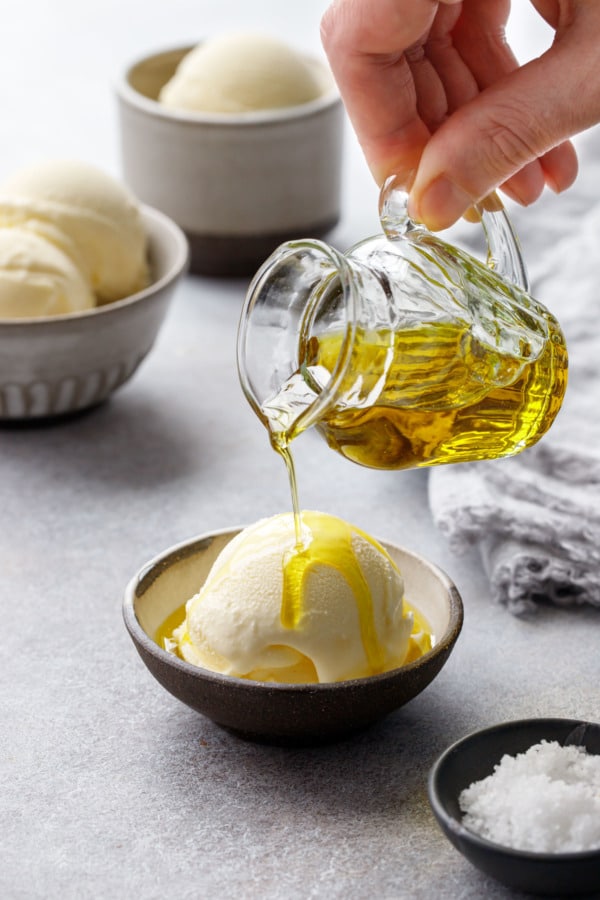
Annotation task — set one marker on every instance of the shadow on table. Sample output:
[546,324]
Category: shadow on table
[134,442]
[377,772]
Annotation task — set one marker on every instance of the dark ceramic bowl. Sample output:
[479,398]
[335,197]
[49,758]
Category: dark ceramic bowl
[474,758]
[283,713]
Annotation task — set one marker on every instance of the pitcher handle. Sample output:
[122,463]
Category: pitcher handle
[503,248]
[504,254]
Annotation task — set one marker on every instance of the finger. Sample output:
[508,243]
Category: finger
[457,79]
[365,43]
[560,166]
[507,126]
[382,106]
[556,169]
[442,80]
[479,37]
[430,95]
[469,53]
[548,10]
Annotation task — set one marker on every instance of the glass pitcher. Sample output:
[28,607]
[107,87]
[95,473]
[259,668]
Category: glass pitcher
[404,351]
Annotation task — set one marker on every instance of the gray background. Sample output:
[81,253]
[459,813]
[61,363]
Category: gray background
[110,787]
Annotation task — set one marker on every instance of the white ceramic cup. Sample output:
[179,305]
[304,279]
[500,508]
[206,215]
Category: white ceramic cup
[238,185]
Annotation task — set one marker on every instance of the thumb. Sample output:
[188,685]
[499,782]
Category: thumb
[508,125]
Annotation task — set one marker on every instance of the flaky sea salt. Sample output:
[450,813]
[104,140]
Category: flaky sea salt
[546,800]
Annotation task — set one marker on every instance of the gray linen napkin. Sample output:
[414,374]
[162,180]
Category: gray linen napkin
[536,517]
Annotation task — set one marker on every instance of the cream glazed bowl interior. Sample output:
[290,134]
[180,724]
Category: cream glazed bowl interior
[59,365]
[238,184]
[283,713]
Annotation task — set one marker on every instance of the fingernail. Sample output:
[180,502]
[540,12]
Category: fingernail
[441,204]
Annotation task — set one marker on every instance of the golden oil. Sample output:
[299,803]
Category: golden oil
[433,394]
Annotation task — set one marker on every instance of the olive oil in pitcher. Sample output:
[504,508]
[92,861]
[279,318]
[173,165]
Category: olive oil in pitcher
[404,352]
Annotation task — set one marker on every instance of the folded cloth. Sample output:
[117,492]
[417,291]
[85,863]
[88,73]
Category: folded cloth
[536,517]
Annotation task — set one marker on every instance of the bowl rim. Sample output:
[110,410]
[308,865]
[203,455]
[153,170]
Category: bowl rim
[455,826]
[139,635]
[178,267]
[254,118]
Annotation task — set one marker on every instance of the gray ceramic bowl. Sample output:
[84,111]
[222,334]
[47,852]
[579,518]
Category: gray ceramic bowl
[60,365]
[474,758]
[283,713]
[238,185]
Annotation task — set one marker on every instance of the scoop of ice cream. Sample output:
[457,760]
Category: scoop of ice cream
[37,278]
[89,214]
[239,73]
[270,610]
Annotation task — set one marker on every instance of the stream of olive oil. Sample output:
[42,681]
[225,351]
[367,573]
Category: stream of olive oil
[330,543]
[322,540]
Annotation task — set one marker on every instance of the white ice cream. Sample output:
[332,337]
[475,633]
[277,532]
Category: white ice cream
[328,613]
[37,278]
[87,214]
[239,73]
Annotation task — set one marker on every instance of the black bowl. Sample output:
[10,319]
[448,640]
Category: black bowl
[283,713]
[474,758]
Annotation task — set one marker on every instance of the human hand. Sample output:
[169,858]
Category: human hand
[437,97]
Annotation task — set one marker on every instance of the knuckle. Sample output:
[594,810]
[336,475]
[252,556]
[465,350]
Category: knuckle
[415,53]
[511,143]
